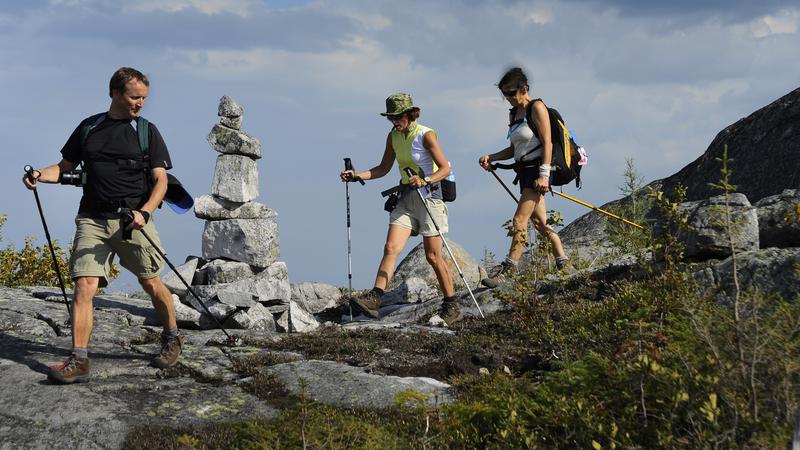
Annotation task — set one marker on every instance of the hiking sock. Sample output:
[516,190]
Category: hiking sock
[511,262]
[378,291]
[80,352]
[561,261]
[170,333]
[451,299]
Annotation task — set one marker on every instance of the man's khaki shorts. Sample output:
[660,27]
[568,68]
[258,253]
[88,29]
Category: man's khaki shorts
[98,240]
[410,213]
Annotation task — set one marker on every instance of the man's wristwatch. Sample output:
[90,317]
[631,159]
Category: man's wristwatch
[427,180]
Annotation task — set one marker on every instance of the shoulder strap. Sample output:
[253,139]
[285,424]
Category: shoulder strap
[529,117]
[89,124]
[143,132]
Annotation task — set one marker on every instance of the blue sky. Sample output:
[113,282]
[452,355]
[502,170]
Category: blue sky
[653,81]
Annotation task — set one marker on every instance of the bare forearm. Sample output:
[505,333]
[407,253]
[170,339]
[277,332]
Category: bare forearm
[52,173]
[156,196]
[505,153]
[371,174]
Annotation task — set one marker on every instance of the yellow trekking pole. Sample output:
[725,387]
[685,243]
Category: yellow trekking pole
[503,166]
[598,209]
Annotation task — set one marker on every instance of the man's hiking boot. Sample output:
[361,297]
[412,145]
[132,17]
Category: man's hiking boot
[72,370]
[450,313]
[499,274]
[170,351]
[368,304]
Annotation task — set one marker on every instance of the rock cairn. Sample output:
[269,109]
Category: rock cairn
[238,277]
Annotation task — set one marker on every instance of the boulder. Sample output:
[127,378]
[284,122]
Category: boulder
[238,299]
[252,241]
[229,108]
[232,122]
[708,237]
[219,310]
[185,316]
[235,178]
[410,290]
[271,285]
[415,265]
[335,383]
[296,320]
[216,208]
[769,271]
[221,271]
[262,318]
[254,318]
[779,219]
[765,143]
[186,270]
[765,140]
[315,297]
[231,141]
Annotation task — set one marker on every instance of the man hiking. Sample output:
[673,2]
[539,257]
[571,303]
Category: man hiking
[120,174]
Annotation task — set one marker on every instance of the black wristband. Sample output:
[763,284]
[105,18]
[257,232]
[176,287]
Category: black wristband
[145,214]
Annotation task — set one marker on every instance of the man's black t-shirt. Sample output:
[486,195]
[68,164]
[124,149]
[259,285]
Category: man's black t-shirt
[107,181]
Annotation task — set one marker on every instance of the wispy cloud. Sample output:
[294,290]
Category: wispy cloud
[785,22]
[238,7]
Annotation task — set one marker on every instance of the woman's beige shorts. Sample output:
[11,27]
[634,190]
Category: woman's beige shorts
[97,240]
[410,213]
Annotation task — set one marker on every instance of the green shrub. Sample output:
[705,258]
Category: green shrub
[33,264]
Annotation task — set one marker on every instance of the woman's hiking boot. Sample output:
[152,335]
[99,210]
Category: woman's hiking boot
[72,370]
[450,312]
[564,265]
[368,304]
[170,351]
[499,274]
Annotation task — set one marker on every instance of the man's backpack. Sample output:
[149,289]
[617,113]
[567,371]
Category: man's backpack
[142,131]
[565,167]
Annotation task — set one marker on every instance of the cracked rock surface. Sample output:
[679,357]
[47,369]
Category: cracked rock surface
[125,392]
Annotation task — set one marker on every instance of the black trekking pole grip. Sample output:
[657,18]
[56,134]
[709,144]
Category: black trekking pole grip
[29,171]
[348,165]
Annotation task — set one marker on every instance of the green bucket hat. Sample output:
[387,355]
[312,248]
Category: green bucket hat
[398,104]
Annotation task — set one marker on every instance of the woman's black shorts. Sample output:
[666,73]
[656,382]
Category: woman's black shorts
[527,176]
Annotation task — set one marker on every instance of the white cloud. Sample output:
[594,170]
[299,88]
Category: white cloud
[359,65]
[784,22]
[210,7]
[539,17]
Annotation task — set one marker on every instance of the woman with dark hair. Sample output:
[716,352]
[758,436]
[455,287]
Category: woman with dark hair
[414,146]
[532,156]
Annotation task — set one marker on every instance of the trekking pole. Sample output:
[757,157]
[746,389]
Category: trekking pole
[29,174]
[503,184]
[348,165]
[598,209]
[568,198]
[410,174]
[128,215]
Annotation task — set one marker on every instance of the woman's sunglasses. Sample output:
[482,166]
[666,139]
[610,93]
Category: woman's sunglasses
[394,118]
[509,94]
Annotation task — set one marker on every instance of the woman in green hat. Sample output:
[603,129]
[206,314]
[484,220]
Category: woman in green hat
[414,146]
[535,155]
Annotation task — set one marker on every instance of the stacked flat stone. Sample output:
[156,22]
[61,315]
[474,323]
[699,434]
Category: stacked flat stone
[239,277]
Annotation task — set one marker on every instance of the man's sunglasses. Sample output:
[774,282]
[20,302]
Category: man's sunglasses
[394,118]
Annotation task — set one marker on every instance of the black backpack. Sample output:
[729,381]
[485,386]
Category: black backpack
[565,167]
[142,130]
